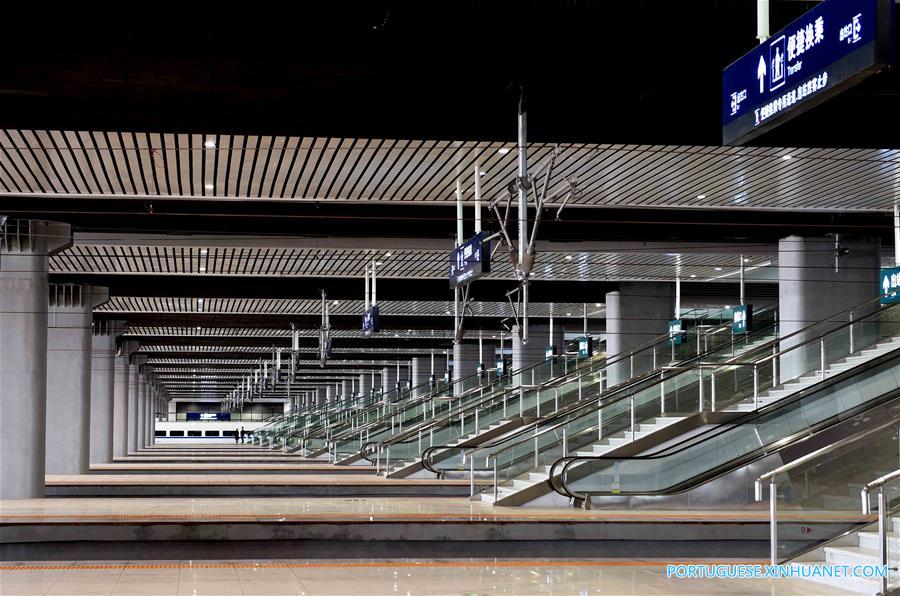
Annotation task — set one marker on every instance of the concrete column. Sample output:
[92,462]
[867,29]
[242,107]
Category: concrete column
[635,314]
[24,250]
[388,378]
[120,406]
[69,377]
[535,351]
[321,395]
[133,388]
[810,291]
[103,373]
[365,384]
[345,389]
[329,393]
[148,414]
[465,363]
[420,369]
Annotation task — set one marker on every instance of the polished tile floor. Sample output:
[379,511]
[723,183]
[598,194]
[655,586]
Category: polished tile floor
[318,509]
[373,578]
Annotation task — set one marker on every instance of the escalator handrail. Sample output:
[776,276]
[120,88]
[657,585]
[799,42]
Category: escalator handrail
[574,375]
[564,463]
[589,404]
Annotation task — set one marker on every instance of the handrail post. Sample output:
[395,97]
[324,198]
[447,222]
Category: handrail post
[600,423]
[535,451]
[822,356]
[882,538]
[472,476]
[851,332]
[700,381]
[773,524]
[579,388]
[631,364]
[632,417]
[662,392]
[712,388]
[755,387]
[496,479]
[565,443]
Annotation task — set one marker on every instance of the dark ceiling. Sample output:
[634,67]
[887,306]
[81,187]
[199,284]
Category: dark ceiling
[593,70]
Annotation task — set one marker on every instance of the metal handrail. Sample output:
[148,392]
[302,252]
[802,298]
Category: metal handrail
[566,462]
[882,519]
[589,404]
[772,475]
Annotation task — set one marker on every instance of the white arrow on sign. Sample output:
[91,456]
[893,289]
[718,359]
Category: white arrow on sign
[761,73]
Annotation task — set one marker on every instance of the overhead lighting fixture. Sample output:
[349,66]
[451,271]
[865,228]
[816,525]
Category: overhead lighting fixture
[727,306]
[481,172]
[335,302]
[202,269]
[597,304]
[568,314]
[377,263]
[718,268]
[786,157]
[701,196]
[503,150]
[692,275]
[388,254]
[208,186]
[199,300]
[447,313]
[746,260]
[568,257]
[210,144]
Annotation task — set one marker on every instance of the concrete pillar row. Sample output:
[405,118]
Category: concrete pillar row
[535,351]
[25,246]
[345,389]
[70,317]
[321,395]
[365,383]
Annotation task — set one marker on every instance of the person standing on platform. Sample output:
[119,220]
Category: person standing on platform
[236,437]
[242,434]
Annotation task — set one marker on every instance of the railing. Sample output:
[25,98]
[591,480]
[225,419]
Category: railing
[884,556]
[841,457]
[583,422]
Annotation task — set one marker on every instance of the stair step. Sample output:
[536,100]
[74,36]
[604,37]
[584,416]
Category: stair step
[847,584]
[850,555]
[869,540]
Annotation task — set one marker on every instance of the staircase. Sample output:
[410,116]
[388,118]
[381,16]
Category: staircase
[858,549]
[791,387]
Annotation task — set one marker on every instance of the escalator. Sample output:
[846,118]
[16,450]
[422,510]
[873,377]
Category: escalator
[683,465]
[504,415]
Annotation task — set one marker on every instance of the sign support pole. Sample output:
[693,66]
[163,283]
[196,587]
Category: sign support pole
[742,280]
[477,198]
[523,214]
[677,296]
[897,234]
[762,20]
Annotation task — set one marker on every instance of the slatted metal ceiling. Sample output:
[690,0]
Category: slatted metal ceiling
[70,163]
[411,264]
[288,306]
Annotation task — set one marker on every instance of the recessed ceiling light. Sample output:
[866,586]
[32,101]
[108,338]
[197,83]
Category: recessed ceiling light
[200,300]
[203,251]
[210,144]
[481,172]
[568,314]
[568,257]
[335,302]
[718,268]
[202,269]
[209,187]
[746,260]
[447,313]
[786,157]
[727,306]
[692,275]
[377,263]
[701,196]
[388,254]
[503,150]
[597,304]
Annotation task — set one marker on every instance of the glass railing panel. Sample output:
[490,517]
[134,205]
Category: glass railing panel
[820,500]
[892,502]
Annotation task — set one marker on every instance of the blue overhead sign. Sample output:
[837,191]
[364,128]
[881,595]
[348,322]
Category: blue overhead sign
[835,45]
[470,260]
[890,285]
[370,322]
